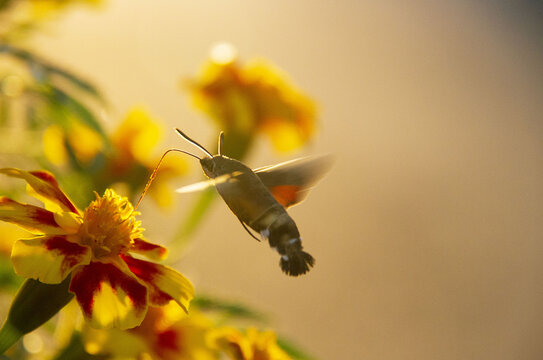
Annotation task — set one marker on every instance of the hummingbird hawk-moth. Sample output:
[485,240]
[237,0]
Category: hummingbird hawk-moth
[259,198]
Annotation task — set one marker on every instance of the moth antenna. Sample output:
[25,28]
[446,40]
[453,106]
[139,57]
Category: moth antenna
[221,139]
[153,175]
[184,136]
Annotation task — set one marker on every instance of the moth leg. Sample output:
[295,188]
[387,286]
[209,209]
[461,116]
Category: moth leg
[247,229]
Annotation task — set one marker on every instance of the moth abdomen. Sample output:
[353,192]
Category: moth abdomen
[284,236]
[295,261]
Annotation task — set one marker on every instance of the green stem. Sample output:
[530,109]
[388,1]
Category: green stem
[8,336]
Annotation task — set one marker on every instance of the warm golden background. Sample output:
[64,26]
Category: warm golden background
[428,231]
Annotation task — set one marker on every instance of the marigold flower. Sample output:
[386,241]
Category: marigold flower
[133,142]
[84,142]
[254,98]
[253,345]
[166,333]
[111,286]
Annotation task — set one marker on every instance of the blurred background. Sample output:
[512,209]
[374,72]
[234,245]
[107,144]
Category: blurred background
[428,230]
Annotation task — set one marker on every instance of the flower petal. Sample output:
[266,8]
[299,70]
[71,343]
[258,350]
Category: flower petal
[45,184]
[49,259]
[164,283]
[30,217]
[109,297]
[113,344]
[150,250]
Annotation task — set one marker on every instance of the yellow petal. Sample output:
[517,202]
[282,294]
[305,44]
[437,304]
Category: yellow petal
[30,217]
[68,221]
[113,342]
[137,134]
[9,233]
[48,259]
[109,296]
[53,145]
[45,184]
[285,136]
[85,141]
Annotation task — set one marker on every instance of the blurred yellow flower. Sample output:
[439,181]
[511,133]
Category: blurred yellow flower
[83,141]
[166,333]
[251,345]
[133,143]
[135,137]
[257,97]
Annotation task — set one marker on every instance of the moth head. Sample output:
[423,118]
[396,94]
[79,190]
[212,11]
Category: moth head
[209,165]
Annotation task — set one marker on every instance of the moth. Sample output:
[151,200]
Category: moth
[259,198]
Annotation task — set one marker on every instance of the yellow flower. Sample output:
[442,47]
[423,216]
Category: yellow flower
[85,143]
[254,98]
[253,345]
[166,333]
[112,287]
[135,137]
[133,142]
[129,161]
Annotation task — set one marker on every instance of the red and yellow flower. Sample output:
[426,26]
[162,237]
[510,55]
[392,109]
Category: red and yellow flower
[113,288]
[166,333]
[251,345]
[253,98]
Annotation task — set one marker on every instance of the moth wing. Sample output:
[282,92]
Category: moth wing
[199,186]
[290,181]
[202,185]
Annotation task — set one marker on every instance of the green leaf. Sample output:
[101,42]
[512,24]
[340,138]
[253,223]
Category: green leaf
[77,108]
[295,351]
[74,80]
[8,278]
[49,69]
[233,309]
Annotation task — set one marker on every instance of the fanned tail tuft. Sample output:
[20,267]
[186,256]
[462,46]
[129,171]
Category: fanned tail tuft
[296,262]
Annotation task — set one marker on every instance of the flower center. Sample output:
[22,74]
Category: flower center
[109,225]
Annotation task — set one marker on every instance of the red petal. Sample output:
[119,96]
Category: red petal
[72,252]
[164,283]
[45,184]
[152,251]
[28,216]
[54,190]
[87,285]
[49,258]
